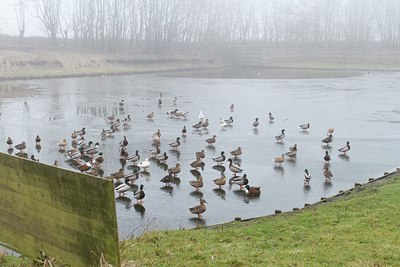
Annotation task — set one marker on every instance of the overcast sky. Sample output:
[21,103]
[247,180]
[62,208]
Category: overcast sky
[8,23]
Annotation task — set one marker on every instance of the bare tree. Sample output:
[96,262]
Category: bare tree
[49,14]
[19,8]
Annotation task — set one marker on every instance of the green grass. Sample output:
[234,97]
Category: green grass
[360,229]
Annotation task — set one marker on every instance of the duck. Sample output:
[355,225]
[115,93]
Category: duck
[184,131]
[176,143]
[9,142]
[307,177]
[116,124]
[85,167]
[330,131]
[108,132]
[241,181]
[37,140]
[200,154]
[123,188]
[167,179]
[205,124]
[197,125]
[201,116]
[150,116]
[345,149]
[291,154]
[199,209]
[327,158]
[219,159]
[197,164]
[234,168]
[144,164]
[253,191]
[111,118]
[280,136]
[211,141]
[175,170]
[139,195]
[118,175]
[154,152]
[134,158]
[328,174]
[124,142]
[293,148]
[99,160]
[256,123]
[198,183]
[93,150]
[121,103]
[123,154]
[159,101]
[327,140]
[279,160]
[304,126]
[81,132]
[270,117]
[231,107]
[62,144]
[223,123]
[162,158]
[132,177]
[74,135]
[229,121]
[237,152]
[220,181]
[174,100]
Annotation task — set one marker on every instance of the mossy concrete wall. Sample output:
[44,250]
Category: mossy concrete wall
[68,215]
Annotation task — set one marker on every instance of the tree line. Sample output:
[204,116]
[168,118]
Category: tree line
[158,25]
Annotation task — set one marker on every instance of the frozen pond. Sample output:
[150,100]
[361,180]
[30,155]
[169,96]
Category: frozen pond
[364,110]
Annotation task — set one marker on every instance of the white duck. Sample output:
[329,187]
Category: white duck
[144,164]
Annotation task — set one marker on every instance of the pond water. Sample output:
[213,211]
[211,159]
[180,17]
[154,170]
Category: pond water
[364,110]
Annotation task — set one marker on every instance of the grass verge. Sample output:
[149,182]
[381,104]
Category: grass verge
[362,228]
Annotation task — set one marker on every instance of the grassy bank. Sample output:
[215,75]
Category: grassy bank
[362,228]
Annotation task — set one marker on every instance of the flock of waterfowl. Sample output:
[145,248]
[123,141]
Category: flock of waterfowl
[86,156]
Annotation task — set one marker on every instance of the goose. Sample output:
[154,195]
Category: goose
[219,159]
[327,140]
[150,116]
[327,158]
[234,168]
[9,142]
[241,181]
[139,195]
[37,140]
[121,103]
[307,177]
[197,125]
[124,142]
[256,123]
[279,160]
[229,121]
[205,124]
[144,164]
[175,170]
[200,154]
[220,181]
[162,158]
[304,126]
[280,136]
[184,131]
[223,123]
[328,174]
[253,191]
[270,117]
[345,149]
[62,144]
[198,183]
[199,209]
[211,140]
[237,152]
[175,144]
[134,158]
[122,188]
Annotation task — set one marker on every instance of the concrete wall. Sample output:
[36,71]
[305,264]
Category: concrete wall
[65,214]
